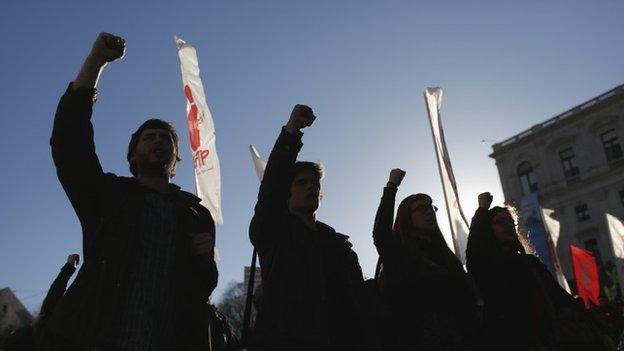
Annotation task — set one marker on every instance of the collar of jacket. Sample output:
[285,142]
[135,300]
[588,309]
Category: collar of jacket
[185,196]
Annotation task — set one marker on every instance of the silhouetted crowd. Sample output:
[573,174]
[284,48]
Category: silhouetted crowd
[149,267]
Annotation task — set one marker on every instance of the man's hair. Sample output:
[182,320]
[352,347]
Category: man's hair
[153,123]
[306,166]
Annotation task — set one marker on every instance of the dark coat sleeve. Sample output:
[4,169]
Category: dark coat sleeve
[383,238]
[57,290]
[560,298]
[73,151]
[274,189]
[484,258]
[205,271]
[356,278]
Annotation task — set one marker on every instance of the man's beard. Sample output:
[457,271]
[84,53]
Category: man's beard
[157,170]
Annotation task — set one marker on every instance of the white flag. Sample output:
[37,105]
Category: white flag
[552,227]
[201,132]
[459,225]
[616,232]
[259,163]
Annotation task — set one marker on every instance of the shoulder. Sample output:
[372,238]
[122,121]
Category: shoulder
[340,240]
[190,199]
[194,203]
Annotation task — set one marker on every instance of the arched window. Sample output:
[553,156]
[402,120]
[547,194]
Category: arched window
[527,178]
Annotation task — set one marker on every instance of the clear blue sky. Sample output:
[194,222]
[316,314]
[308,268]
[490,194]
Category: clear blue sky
[362,66]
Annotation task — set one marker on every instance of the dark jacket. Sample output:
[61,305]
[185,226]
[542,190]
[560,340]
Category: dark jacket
[56,291]
[525,308]
[427,298]
[310,279]
[109,208]
[24,338]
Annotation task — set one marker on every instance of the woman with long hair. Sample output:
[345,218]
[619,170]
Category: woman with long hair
[428,300]
[525,308]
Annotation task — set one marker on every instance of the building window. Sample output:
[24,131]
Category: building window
[611,145]
[568,162]
[591,245]
[582,212]
[527,178]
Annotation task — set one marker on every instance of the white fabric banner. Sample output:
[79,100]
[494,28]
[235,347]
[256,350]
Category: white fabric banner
[258,162]
[552,227]
[201,133]
[616,233]
[459,225]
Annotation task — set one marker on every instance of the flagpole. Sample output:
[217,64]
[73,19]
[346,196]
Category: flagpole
[448,212]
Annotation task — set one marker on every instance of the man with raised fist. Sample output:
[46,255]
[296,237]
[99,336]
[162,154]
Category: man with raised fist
[310,274]
[148,246]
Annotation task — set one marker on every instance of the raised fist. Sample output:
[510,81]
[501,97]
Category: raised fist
[300,117]
[74,259]
[485,200]
[108,47]
[396,176]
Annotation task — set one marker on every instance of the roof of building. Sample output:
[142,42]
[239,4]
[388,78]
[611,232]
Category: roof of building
[12,311]
[576,110]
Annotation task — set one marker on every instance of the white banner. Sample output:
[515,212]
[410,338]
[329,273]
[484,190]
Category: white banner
[459,225]
[616,233]
[552,227]
[258,162]
[201,132]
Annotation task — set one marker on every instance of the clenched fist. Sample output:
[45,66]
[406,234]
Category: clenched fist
[300,117]
[108,47]
[73,259]
[396,176]
[485,200]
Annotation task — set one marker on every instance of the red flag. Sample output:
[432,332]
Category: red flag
[586,275]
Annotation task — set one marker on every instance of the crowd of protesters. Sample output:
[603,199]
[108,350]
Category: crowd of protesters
[149,266]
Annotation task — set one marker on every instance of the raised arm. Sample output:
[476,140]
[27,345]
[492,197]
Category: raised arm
[485,259]
[57,289]
[386,244]
[275,186]
[106,48]
[73,149]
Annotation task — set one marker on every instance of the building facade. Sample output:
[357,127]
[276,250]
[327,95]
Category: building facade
[573,164]
[13,314]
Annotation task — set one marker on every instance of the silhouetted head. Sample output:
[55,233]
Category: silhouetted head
[153,149]
[416,216]
[305,187]
[503,225]
[416,229]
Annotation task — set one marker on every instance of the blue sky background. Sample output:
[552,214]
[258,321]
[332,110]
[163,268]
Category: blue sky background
[362,66]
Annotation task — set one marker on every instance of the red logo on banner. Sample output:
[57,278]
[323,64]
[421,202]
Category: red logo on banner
[192,119]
